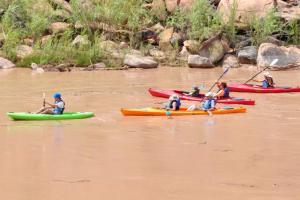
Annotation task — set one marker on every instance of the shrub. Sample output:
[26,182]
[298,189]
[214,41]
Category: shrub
[261,28]
[204,20]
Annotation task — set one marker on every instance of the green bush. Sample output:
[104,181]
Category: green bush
[204,20]
[261,28]
[60,49]
[293,31]
[230,27]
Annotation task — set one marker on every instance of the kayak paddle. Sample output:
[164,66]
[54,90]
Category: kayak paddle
[226,70]
[272,63]
[44,99]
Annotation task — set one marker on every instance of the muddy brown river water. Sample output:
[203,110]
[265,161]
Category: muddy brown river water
[230,157]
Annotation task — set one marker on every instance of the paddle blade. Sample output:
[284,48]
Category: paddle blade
[274,62]
[226,70]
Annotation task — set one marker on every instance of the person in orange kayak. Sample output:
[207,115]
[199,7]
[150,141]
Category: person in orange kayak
[268,81]
[208,104]
[54,109]
[223,90]
[173,103]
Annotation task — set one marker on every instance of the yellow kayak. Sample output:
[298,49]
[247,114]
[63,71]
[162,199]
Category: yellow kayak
[182,111]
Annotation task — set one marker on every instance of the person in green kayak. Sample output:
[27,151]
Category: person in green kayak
[268,81]
[54,109]
[209,103]
[223,90]
[173,103]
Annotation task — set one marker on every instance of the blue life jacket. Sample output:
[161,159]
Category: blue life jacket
[268,83]
[265,84]
[208,104]
[226,93]
[178,104]
[57,110]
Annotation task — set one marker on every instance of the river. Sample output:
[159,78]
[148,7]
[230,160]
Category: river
[255,155]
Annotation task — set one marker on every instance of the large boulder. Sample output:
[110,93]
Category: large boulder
[6,64]
[23,51]
[214,50]
[246,9]
[159,9]
[288,57]
[165,39]
[192,46]
[138,61]
[230,61]
[196,61]
[247,55]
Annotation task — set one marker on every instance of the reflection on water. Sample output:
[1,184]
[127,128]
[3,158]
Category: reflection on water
[190,157]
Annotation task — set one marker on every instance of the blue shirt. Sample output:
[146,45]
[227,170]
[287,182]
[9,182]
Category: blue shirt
[226,93]
[60,105]
[178,104]
[208,104]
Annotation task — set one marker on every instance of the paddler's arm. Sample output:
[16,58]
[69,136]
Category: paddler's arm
[220,94]
[52,105]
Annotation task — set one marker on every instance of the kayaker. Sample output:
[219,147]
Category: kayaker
[209,103]
[195,92]
[54,109]
[173,103]
[223,90]
[268,81]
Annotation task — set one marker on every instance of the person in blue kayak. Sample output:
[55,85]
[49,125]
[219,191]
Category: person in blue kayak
[223,91]
[209,103]
[268,81]
[54,109]
[173,103]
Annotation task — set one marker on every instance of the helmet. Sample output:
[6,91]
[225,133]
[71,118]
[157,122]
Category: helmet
[174,97]
[57,96]
[195,88]
[267,74]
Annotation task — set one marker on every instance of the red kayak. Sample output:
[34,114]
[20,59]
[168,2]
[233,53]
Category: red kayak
[167,93]
[239,87]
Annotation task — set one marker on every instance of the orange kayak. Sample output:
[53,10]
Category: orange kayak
[183,111]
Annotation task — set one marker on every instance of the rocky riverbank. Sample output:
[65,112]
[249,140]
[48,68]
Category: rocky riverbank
[58,35]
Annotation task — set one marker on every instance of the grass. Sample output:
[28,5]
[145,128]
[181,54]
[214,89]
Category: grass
[261,28]
[51,52]
[204,20]
[31,19]
[230,26]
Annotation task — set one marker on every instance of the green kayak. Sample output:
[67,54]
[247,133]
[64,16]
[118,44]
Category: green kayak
[66,115]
